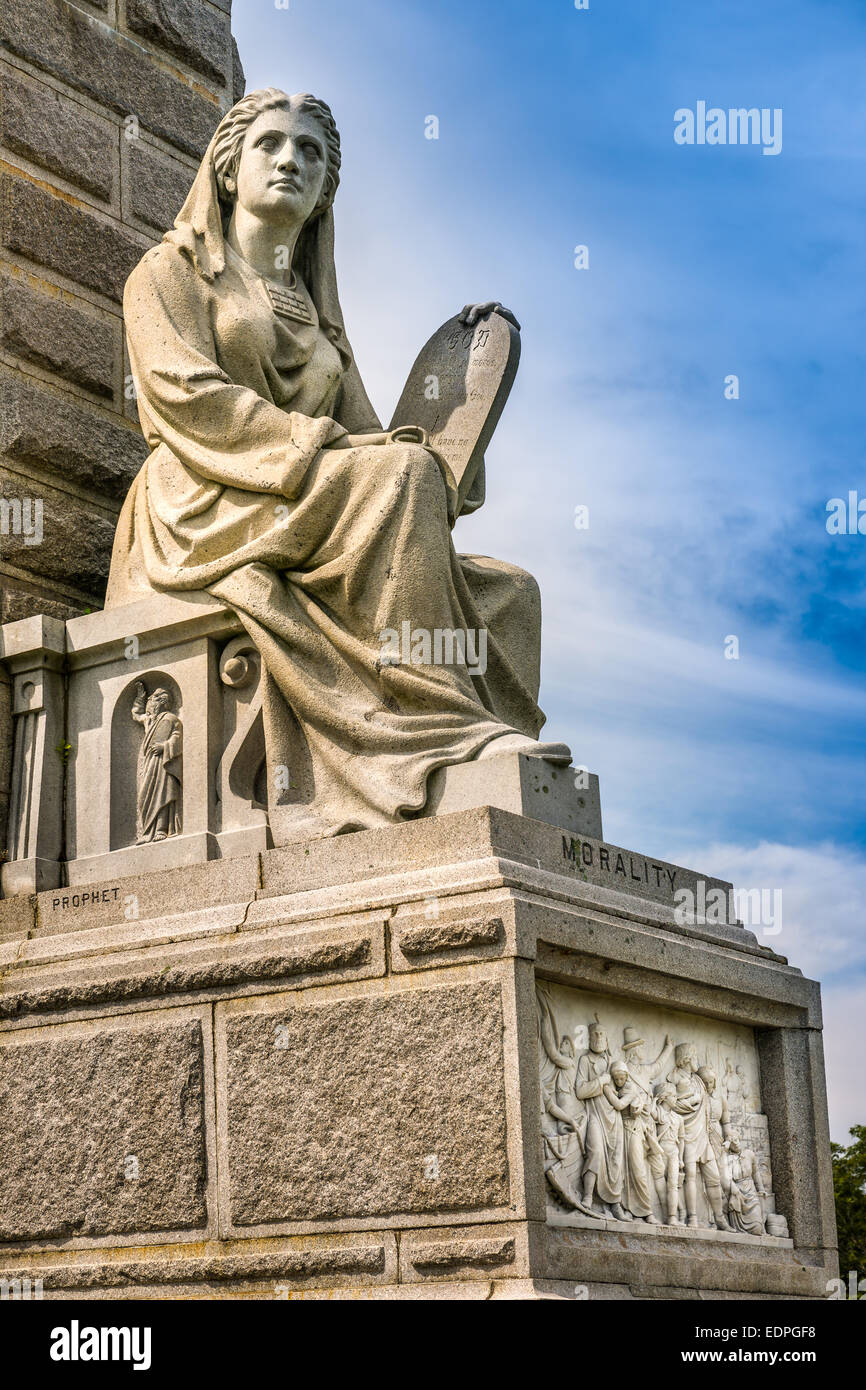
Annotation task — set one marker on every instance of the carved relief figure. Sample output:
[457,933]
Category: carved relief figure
[624,1094]
[747,1189]
[645,1073]
[272,485]
[735,1092]
[667,1165]
[158,788]
[563,1115]
[720,1126]
[693,1104]
[603,1170]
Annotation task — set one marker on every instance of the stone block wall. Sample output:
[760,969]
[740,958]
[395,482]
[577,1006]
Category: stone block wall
[106,107]
[317,1073]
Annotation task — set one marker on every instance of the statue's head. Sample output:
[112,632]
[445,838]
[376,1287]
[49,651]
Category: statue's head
[597,1037]
[685,1056]
[666,1095]
[160,700]
[619,1073]
[278,156]
[708,1076]
[734,1143]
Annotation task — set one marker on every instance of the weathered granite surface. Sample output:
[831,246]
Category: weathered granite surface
[367,1107]
[103,110]
[387,1034]
[102,1132]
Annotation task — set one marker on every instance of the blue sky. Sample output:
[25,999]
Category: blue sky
[706,515]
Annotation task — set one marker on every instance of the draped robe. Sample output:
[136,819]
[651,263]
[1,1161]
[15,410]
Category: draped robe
[317,549]
[159,787]
[605,1136]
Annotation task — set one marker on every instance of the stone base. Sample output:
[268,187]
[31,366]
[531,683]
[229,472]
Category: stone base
[74,818]
[314,1072]
[526,786]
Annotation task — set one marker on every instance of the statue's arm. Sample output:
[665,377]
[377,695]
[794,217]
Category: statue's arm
[587,1087]
[173,745]
[224,432]
[661,1062]
[725,1118]
[548,1036]
[139,703]
[610,1095]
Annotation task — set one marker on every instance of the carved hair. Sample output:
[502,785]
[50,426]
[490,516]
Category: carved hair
[229,138]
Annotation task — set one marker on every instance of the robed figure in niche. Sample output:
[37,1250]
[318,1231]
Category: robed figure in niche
[158,784]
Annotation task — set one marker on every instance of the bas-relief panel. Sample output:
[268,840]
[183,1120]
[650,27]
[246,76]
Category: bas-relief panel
[652,1114]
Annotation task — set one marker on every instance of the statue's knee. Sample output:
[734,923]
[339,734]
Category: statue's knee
[527,586]
[418,468]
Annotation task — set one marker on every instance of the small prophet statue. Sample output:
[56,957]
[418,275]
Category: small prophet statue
[159,762]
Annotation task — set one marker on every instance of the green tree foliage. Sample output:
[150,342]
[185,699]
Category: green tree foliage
[849,1184]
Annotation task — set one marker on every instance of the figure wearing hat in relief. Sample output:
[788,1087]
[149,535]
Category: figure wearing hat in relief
[645,1074]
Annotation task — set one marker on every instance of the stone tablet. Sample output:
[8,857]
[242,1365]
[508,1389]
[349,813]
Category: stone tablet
[474,369]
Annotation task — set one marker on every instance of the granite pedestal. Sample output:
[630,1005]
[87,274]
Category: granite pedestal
[314,1072]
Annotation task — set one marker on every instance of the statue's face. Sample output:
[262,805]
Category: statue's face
[619,1075]
[283,166]
[598,1040]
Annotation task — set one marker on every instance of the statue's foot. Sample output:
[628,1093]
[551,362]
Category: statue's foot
[617,1211]
[558,753]
[652,1220]
[692,1221]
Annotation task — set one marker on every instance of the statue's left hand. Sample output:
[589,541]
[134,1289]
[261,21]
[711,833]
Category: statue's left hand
[471,313]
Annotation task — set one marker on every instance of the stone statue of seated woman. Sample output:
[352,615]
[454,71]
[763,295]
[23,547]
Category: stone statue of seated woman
[272,485]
